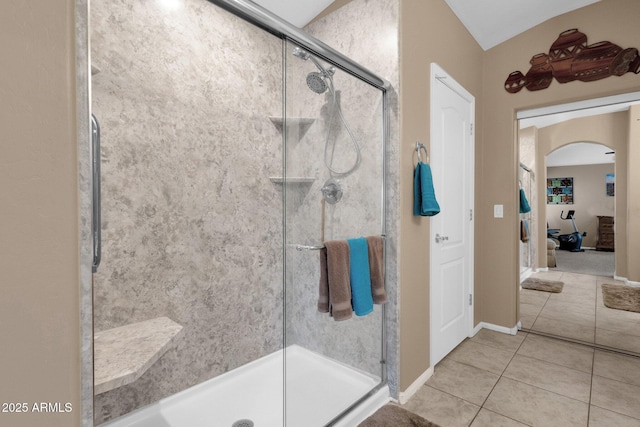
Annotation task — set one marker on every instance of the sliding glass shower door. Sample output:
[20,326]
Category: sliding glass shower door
[333,191]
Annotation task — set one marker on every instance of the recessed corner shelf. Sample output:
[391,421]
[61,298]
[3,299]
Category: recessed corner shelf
[302,123]
[123,354]
[291,180]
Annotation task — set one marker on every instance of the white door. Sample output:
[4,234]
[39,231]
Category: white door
[452,165]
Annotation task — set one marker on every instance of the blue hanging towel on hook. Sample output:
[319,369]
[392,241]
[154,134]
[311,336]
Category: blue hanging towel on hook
[524,203]
[424,197]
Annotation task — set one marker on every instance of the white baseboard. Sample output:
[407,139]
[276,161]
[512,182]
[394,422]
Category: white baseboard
[627,281]
[541,269]
[415,386]
[527,273]
[497,328]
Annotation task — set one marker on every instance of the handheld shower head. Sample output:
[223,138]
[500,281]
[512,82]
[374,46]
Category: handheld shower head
[319,82]
[316,82]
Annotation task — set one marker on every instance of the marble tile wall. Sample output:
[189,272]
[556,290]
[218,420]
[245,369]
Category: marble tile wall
[192,224]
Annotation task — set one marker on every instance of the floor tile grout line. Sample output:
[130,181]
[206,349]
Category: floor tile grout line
[502,415]
[615,412]
[595,324]
[541,308]
[593,367]
[499,378]
[554,364]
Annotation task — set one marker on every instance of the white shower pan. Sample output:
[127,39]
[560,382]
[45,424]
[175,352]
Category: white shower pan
[317,390]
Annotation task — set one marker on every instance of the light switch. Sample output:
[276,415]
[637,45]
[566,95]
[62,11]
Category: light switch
[498,211]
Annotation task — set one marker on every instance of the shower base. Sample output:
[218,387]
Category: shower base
[318,389]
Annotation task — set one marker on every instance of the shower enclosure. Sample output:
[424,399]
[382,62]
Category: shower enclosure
[528,222]
[231,149]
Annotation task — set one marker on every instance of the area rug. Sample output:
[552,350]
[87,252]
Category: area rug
[621,297]
[542,285]
[391,415]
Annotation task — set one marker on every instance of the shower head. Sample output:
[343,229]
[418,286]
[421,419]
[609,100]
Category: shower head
[316,82]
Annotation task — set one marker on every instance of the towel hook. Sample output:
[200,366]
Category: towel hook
[420,146]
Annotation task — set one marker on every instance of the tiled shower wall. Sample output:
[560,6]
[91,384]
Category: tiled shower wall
[192,225]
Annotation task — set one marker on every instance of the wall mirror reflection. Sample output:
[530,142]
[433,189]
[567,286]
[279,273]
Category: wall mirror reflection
[575,255]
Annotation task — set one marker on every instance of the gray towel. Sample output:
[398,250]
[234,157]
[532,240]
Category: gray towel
[335,286]
[323,294]
[376,266]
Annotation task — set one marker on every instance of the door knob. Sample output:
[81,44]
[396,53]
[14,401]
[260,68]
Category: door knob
[440,238]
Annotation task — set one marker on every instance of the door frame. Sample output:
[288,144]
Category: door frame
[440,76]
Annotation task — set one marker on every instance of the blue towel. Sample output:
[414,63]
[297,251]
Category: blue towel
[359,275]
[424,197]
[524,203]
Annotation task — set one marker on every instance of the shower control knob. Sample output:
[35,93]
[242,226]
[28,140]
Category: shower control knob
[332,191]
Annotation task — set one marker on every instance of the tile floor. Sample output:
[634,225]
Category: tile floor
[578,312]
[496,379]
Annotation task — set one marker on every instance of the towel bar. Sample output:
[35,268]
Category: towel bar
[317,247]
[309,248]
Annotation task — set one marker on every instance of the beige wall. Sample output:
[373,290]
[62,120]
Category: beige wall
[430,32]
[496,263]
[39,300]
[633,184]
[607,129]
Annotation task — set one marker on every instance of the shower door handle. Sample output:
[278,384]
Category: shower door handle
[96,219]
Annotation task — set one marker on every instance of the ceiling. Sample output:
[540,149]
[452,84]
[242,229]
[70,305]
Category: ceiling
[490,22]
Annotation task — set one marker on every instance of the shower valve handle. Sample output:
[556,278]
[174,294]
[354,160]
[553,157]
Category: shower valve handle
[332,191]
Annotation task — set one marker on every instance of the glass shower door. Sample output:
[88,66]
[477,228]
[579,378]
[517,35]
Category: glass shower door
[333,191]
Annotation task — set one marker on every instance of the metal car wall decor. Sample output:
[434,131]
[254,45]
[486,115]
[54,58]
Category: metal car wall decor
[571,58]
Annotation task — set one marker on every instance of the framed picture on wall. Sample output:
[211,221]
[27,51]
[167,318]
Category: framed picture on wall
[559,191]
[610,181]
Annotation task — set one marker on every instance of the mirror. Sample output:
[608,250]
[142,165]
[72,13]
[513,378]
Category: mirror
[570,158]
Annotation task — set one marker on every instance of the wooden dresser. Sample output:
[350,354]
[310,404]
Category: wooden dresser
[606,236]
